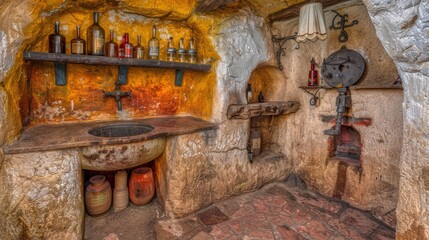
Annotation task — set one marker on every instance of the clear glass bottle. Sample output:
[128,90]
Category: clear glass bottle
[78,45]
[139,49]
[192,51]
[249,95]
[126,48]
[111,47]
[95,37]
[182,51]
[57,42]
[153,45]
[171,51]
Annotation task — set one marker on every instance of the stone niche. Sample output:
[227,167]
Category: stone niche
[347,146]
[374,184]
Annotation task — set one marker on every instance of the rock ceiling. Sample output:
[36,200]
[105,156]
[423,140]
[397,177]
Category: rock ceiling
[266,7]
[273,10]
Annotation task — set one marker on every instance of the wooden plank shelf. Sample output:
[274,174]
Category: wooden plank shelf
[357,87]
[245,111]
[60,60]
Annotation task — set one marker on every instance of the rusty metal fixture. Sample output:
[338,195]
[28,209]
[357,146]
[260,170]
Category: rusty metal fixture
[340,70]
[341,24]
[117,94]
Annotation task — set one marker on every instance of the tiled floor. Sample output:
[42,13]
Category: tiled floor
[275,212]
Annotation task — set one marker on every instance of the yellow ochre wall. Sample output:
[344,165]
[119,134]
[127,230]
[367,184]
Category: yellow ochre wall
[153,89]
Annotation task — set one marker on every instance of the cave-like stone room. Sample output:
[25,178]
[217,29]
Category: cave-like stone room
[214,119]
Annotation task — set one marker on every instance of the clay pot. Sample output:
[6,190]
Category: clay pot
[121,180]
[120,193]
[120,199]
[98,195]
[141,186]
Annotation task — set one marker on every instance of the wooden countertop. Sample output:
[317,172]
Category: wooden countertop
[72,135]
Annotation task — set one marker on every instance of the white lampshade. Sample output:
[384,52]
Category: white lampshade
[311,23]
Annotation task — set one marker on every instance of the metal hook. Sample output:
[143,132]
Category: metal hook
[341,24]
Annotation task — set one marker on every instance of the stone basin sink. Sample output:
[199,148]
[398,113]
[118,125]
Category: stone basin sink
[112,145]
[120,130]
[121,156]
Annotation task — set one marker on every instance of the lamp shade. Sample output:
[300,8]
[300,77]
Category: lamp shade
[311,23]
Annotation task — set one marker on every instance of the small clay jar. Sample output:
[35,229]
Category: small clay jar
[98,195]
[141,186]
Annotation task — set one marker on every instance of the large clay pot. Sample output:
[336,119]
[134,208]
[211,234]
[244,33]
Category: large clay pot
[141,186]
[98,195]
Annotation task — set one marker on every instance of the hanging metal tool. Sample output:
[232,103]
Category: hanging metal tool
[340,70]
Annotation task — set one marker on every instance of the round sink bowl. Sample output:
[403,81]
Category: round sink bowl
[121,130]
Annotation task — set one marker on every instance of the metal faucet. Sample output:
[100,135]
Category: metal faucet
[117,94]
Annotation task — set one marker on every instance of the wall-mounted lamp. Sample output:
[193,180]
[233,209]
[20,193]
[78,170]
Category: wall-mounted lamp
[311,27]
[311,23]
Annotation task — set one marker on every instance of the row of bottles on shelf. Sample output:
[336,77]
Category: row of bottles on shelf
[96,45]
[140,190]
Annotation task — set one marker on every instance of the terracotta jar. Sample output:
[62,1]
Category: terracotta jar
[141,186]
[120,193]
[98,195]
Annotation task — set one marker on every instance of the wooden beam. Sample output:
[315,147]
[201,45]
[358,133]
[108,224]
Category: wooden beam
[205,6]
[245,111]
[293,11]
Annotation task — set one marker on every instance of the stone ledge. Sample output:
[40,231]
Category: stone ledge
[73,135]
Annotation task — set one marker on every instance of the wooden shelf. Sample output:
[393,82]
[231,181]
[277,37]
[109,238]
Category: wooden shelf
[245,111]
[360,87]
[60,60]
[356,87]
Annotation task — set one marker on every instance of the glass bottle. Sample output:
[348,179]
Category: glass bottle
[111,47]
[126,48]
[153,45]
[139,49]
[249,93]
[57,42]
[171,51]
[78,45]
[95,37]
[192,51]
[182,51]
[261,97]
[313,75]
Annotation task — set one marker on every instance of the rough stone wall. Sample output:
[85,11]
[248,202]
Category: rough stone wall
[403,27]
[373,187]
[41,196]
[202,168]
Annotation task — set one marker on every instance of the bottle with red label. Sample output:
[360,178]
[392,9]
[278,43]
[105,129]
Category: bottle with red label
[313,75]
[126,48]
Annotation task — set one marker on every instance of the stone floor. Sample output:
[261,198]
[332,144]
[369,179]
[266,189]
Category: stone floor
[274,212]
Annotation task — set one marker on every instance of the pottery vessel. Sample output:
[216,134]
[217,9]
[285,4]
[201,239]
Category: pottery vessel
[141,186]
[98,195]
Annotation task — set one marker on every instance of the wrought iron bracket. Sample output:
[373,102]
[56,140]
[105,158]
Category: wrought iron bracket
[60,74]
[314,100]
[281,50]
[341,24]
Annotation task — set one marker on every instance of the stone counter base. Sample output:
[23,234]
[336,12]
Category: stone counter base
[45,189]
